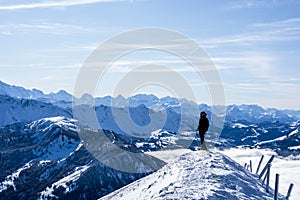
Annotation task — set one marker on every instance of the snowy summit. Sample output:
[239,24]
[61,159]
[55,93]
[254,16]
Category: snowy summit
[196,175]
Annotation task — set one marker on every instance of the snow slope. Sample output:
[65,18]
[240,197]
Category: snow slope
[287,167]
[196,175]
[46,159]
[285,137]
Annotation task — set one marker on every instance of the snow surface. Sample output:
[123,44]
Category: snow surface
[294,148]
[239,125]
[280,138]
[287,168]
[9,180]
[58,147]
[60,121]
[196,175]
[66,183]
[168,156]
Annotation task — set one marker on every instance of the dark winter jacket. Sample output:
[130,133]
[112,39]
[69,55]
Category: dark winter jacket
[203,124]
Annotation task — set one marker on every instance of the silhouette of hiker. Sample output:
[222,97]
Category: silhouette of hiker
[202,126]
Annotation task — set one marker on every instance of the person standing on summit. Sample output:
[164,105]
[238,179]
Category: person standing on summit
[202,126]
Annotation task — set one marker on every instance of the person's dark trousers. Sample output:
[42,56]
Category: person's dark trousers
[201,133]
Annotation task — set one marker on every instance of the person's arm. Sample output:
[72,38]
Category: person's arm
[198,128]
[206,124]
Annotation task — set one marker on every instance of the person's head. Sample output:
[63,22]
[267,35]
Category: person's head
[203,114]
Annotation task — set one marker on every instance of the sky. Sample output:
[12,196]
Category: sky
[254,45]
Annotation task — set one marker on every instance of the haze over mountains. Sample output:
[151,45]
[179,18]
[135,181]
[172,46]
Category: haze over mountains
[244,124]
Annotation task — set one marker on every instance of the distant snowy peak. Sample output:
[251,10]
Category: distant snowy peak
[151,100]
[14,110]
[60,96]
[57,137]
[257,114]
[47,123]
[250,113]
[43,130]
[196,175]
[20,92]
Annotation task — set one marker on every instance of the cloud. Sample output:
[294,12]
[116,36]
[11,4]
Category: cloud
[268,93]
[238,4]
[52,4]
[288,34]
[248,4]
[255,63]
[62,67]
[282,23]
[154,65]
[284,30]
[5,33]
[48,28]
[251,55]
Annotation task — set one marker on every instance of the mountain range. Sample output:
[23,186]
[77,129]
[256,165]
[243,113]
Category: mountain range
[245,125]
[47,159]
[49,153]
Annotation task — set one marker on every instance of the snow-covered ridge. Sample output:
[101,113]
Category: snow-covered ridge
[286,167]
[280,138]
[20,92]
[52,138]
[60,121]
[25,110]
[196,175]
[9,180]
[66,183]
[46,159]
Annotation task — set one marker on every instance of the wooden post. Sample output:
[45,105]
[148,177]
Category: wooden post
[264,179]
[289,191]
[251,166]
[266,167]
[268,177]
[276,187]
[261,159]
[245,165]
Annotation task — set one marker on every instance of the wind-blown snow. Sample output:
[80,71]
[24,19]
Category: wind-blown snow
[196,175]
